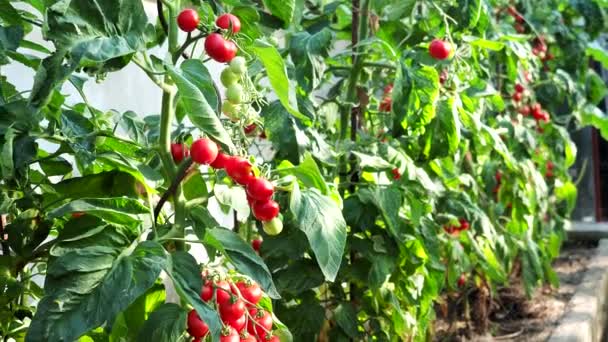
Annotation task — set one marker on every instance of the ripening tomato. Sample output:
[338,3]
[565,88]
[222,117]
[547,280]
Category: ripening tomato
[239,169]
[525,110]
[263,320]
[250,291]
[179,152]
[517,97]
[230,335]
[234,93]
[256,244]
[265,211]
[260,189]
[440,49]
[227,21]
[196,326]
[273,227]
[204,151]
[188,20]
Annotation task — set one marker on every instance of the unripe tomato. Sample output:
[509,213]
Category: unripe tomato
[265,211]
[228,20]
[220,161]
[204,151]
[439,49]
[251,292]
[256,244]
[230,335]
[196,326]
[263,320]
[231,110]
[238,65]
[239,169]
[273,227]
[260,189]
[228,77]
[519,88]
[179,152]
[234,93]
[232,309]
[188,20]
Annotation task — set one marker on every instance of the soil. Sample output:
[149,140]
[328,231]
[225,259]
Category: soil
[514,316]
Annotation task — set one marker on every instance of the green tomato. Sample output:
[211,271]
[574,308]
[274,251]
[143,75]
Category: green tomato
[230,110]
[228,77]
[238,65]
[273,227]
[234,93]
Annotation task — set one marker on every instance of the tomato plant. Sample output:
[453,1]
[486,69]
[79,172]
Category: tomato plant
[388,153]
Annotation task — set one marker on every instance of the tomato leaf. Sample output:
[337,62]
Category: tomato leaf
[283,10]
[116,210]
[320,218]
[307,172]
[88,286]
[165,324]
[199,111]
[388,201]
[196,72]
[277,75]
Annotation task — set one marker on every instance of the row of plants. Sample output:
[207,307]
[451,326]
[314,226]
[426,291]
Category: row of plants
[419,155]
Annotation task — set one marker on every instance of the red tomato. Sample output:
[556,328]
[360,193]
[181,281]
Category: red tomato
[263,320]
[520,28]
[256,244]
[396,174]
[204,151]
[462,280]
[512,10]
[525,110]
[188,20]
[220,49]
[196,326]
[265,211]
[251,292]
[519,88]
[260,189]
[443,76]
[78,214]
[179,152]
[220,161]
[464,224]
[247,337]
[388,89]
[232,309]
[230,335]
[517,97]
[223,292]
[439,49]
[228,20]
[207,291]
[550,165]
[498,176]
[386,105]
[272,338]
[239,169]
[250,129]
[237,323]
[549,174]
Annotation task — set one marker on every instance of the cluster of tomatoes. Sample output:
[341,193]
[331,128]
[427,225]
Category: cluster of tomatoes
[239,169]
[218,47]
[455,230]
[535,109]
[237,303]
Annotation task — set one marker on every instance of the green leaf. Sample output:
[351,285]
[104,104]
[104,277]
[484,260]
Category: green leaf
[196,72]
[283,10]
[244,258]
[277,75]
[199,111]
[320,218]
[414,95]
[387,201]
[299,276]
[87,287]
[307,52]
[592,115]
[283,131]
[135,127]
[597,52]
[102,185]
[115,210]
[55,167]
[6,162]
[443,134]
[307,172]
[10,37]
[372,163]
[186,276]
[566,191]
[166,324]
[346,317]
[9,14]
